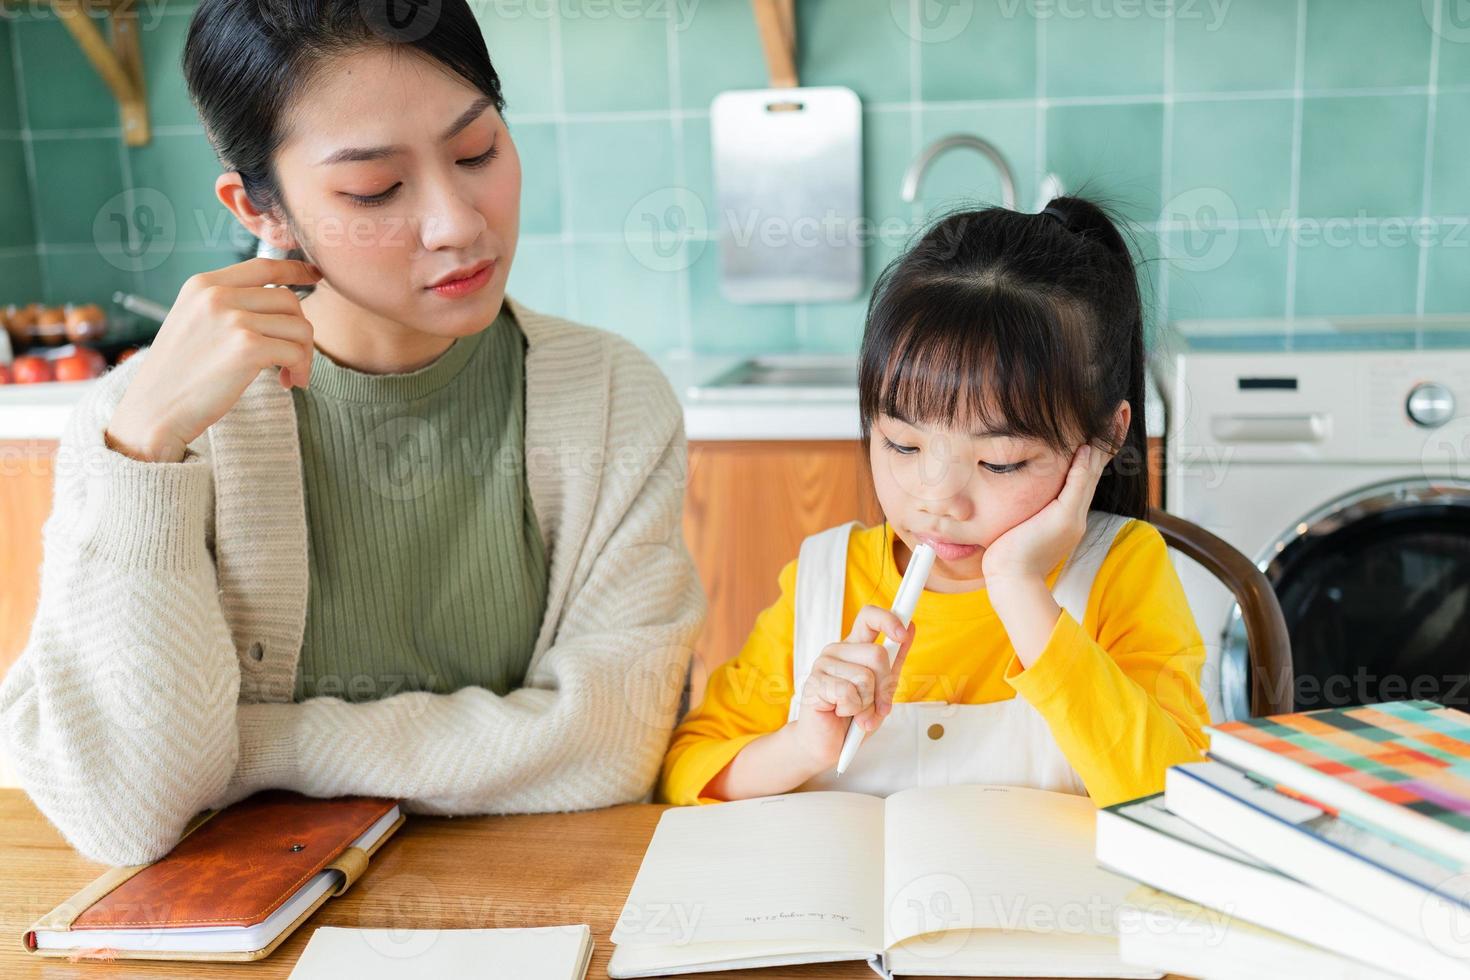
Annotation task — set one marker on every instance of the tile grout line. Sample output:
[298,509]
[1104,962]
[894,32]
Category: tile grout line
[1042,165]
[682,291]
[801,320]
[129,190]
[661,115]
[960,105]
[915,214]
[1430,122]
[614,238]
[1166,183]
[29,152]
[1294,196]
[563,163]
[916,101]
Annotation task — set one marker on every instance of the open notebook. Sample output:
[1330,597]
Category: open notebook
[941,881]
[544,953]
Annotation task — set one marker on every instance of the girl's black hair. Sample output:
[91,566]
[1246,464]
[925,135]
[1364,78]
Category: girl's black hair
[247,61]
[1027,324]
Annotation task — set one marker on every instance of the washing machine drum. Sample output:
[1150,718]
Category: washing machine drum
[1377,602]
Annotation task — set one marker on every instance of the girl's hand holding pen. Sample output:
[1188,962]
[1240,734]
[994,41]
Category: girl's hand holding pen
[224,328]
[851,680]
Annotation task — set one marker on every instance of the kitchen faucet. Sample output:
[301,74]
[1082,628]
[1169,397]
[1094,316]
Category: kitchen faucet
[915,174]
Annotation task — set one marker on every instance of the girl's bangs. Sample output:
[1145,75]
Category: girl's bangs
[978,368]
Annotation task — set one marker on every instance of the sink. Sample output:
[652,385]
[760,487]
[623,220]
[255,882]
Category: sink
[784,377]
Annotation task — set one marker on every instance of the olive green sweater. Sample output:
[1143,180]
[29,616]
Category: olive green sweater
[427,568]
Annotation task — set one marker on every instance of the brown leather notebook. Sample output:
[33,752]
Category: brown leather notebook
[236,885]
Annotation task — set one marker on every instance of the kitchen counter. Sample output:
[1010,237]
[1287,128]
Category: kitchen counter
[833,416]
[40,411]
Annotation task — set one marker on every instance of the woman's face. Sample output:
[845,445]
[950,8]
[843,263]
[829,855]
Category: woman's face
[398,173]
[959,490]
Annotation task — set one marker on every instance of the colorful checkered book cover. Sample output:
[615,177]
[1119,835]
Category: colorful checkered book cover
[1412,753]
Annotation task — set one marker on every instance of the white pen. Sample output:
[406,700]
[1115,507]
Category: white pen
[909,590]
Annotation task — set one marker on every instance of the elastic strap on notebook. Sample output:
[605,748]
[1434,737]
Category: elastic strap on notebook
[352,863]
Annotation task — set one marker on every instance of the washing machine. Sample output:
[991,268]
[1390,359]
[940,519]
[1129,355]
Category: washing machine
[1345,475]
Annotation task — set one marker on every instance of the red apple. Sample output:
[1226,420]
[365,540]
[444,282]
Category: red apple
[29,369]
[83,364]
[5,377]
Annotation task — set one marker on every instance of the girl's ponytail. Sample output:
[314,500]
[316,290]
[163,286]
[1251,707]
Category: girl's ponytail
[1123,488]
[1082,217]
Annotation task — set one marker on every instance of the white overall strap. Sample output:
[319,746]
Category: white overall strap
[1074,584]
[821,578]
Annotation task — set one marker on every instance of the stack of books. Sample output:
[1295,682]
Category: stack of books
[1327,843]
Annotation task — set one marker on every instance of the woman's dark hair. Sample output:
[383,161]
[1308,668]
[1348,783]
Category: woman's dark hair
[246,61]
[1028,324]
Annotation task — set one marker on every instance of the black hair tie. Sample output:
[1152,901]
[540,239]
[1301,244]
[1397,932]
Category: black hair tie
[1053,212]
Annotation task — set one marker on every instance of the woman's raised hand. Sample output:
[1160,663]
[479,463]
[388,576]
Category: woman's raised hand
[225,328]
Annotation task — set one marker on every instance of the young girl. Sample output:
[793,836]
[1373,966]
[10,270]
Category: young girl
[1001,397]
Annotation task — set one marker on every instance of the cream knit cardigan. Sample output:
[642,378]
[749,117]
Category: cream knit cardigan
[158,677]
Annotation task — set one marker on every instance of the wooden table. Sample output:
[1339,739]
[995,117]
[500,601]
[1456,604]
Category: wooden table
[468,872]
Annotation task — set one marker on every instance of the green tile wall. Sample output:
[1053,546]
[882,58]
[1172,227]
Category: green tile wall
[1277,157]
[20,267]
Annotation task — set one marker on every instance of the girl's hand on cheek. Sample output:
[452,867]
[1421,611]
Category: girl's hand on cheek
[1031,549]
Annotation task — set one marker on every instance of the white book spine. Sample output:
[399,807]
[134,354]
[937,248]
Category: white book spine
[1266,898]
[1364,885]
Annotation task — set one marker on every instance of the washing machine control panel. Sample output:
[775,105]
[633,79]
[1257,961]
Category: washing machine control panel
[1321,406]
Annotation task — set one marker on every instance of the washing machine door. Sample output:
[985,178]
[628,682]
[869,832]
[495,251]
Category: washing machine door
[1375,589]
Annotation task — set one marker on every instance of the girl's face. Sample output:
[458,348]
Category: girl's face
[959,490]
[397,173]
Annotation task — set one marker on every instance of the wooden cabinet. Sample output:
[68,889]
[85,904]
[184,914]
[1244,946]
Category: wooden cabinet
[26,469]
[747,508]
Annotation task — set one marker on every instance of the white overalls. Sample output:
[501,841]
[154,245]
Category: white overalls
[937,743]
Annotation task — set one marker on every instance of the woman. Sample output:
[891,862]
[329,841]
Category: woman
[387,539]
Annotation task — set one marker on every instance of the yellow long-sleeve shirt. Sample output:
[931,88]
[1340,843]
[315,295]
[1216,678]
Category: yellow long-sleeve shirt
[1120,691]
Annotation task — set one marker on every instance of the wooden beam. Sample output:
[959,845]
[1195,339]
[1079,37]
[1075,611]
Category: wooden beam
[776,22]
[119,62]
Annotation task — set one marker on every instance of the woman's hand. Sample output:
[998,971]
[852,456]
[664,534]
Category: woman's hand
[222,331]
[1033,548]
[851,680]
